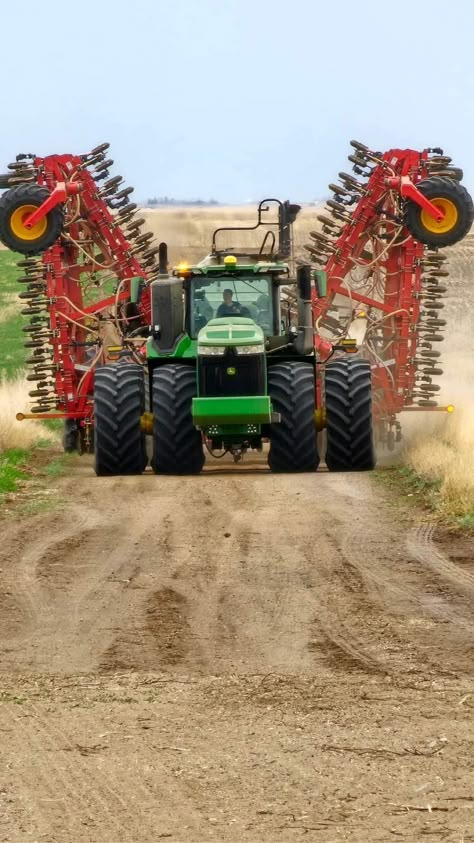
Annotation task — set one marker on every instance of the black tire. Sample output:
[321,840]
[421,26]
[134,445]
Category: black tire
[70,436]
[348,402]
[446,233]
[293,445]
[29,195]
[119,402]
[177,445]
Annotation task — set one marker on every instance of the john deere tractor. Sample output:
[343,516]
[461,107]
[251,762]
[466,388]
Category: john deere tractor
[228,369]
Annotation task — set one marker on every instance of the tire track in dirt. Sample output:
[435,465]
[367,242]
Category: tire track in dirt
[249,572]
[406,611]
[26,573]
[374,611]
[70,580]
[421,545]
[254,614]
[225,591]
[110,796]
[279,619]
[343,629]
[57,800]
[264,596]
[50,571]
[159,637]
[89,793]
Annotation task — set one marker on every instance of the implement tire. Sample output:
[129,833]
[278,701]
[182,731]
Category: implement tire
[348,402]
[15,206]
[119,402]
[177,445]
[456,203]
[293,445]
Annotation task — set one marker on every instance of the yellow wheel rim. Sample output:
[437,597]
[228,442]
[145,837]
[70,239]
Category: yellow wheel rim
[450,217]
[17,226]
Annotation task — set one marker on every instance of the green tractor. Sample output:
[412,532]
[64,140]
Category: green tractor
[230,366]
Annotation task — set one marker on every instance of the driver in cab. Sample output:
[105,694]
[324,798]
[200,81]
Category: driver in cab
[229,307]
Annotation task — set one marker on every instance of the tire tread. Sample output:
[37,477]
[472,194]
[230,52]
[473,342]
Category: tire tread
[177,445]
[348,398]
[293,446]
[119,401]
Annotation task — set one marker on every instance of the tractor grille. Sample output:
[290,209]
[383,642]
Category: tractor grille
[232,375]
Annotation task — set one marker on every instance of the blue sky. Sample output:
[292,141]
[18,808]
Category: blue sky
[232,98]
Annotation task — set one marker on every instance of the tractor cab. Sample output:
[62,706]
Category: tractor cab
[237,291]
[230,284]
[232,291]
[244,280]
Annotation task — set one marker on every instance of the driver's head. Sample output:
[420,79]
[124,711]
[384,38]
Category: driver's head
[227,295]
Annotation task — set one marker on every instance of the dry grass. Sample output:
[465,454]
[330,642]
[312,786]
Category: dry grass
[15,434]
[448,458]
[441,447]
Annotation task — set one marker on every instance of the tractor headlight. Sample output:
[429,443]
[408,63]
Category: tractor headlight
[250,349]
[212,350]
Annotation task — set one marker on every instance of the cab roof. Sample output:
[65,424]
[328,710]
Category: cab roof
[230,265]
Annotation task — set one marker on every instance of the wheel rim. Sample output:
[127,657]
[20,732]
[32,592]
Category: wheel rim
[17,223]
[450,216]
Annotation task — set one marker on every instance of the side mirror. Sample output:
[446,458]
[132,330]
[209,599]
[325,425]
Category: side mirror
[303,282]
[292,211]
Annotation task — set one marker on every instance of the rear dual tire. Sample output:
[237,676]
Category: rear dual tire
[348,402]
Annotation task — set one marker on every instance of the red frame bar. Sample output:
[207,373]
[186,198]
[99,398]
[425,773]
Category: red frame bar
[407,189]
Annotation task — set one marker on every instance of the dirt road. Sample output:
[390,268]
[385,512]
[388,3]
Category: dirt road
[239,656]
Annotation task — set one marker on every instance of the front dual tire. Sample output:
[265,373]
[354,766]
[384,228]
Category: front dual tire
[120,404]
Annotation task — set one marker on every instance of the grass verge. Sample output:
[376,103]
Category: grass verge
[12,469]
[24,475]
[437,462]
[422,490]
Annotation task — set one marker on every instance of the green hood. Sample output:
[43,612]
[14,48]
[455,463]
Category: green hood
[231,330]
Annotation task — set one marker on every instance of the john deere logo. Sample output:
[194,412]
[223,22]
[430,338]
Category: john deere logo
[231,370]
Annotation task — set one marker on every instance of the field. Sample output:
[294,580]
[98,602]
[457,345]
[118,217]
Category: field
[238,656]
[195,228]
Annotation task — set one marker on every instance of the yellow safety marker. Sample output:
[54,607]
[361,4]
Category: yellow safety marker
[146,423]
[320,418]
